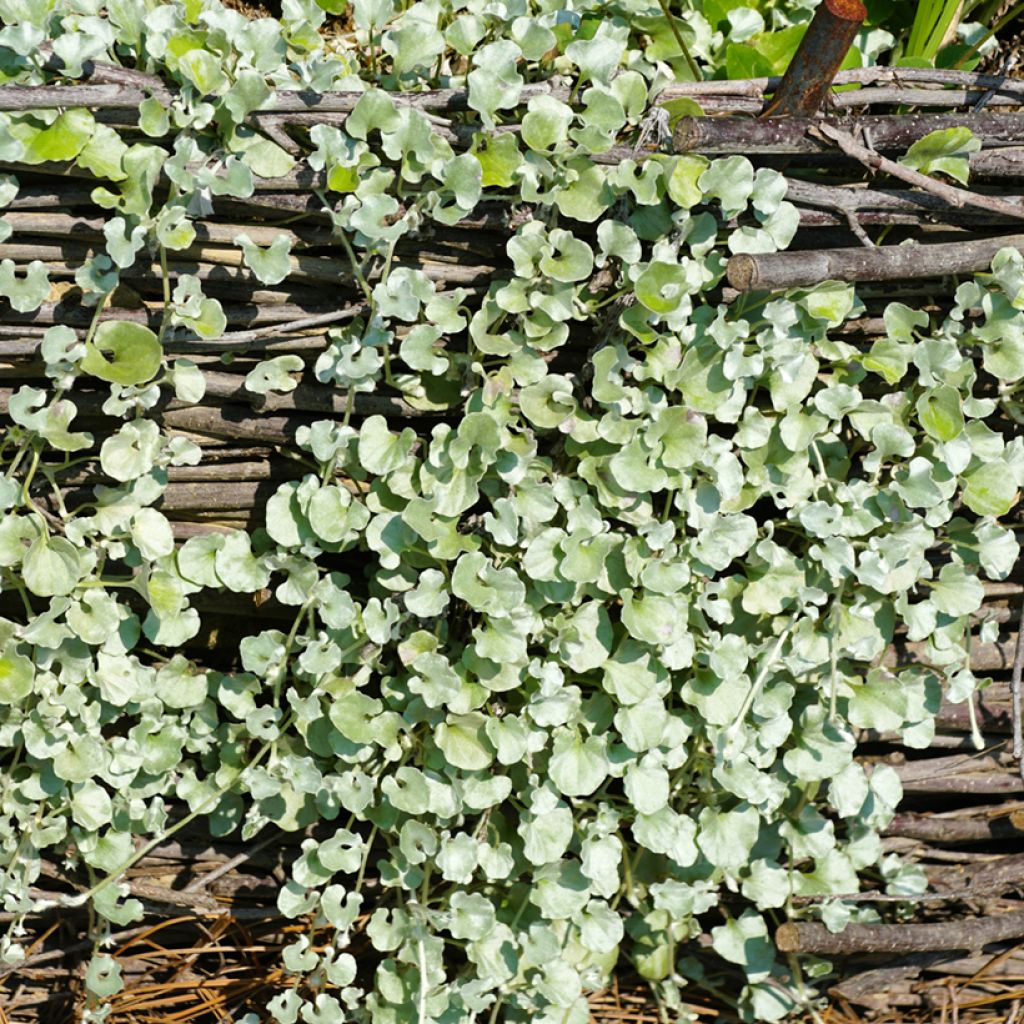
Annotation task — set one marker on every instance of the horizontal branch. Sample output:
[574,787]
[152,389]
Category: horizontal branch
[65,225]
[1003,782]
[991,709]
[861,199]
[282,316]
[231,422]
[268,467]
[923,97]
[893,132]
[994,877]
[998,163]
[952,764]
[113,87]
[227,265]
[128,96]
[310,397]
[964,933]
[240,496]
[934,828]
[797,269]
[880,987]
[867,76]
[985,657]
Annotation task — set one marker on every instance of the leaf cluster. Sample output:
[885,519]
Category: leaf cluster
[572,674]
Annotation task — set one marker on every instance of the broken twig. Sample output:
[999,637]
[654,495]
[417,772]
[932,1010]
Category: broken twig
[950,193]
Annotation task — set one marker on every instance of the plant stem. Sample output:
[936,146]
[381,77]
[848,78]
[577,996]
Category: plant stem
[758,683]
[148,848]
[690,62]
[993,31]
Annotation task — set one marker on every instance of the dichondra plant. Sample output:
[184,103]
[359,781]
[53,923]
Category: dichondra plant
[569,675]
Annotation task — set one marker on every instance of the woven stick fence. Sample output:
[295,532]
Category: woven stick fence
[213,933]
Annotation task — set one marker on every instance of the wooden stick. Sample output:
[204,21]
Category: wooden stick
[310,397]
[114,96]
[949,765]
[863,197]
[45,97]
[985,657]
[993,783]
[104,73]
[967,934]
[270,467]
[935,97]
[1016,702]
[259,338]
[34,197]
[997,876]
[796,269]
[723,135]
[243,496]
[184,531]
[998,163]
[113,87]
[865,76]
[226,265]
[876,988]
[237,422]
[931,828]
[262,311]
[64,225]
[993,716]
[202,351]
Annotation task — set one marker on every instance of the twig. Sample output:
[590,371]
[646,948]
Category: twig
[857,228]
[199,902]
[274,130]
[229,865]
[924,97]
[968,934]
[883,897]
[1008,65]
[715,136]
[257,337]
[59,954]
[950,193]
[1016,700]
[862,197]
[936,828]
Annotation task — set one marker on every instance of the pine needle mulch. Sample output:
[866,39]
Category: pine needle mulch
[189,969]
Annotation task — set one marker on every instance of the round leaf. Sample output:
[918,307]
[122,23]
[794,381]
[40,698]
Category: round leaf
[123,352]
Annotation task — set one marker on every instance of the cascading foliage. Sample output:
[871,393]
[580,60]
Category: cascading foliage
[592,686]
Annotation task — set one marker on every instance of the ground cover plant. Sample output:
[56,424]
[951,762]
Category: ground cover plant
[571,675]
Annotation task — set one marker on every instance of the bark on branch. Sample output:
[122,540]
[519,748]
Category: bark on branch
[715,136]
[799,269]
[967,934]
[934,828]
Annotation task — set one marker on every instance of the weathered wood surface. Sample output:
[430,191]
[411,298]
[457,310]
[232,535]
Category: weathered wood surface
[723,135]
[776,271]
[965,934]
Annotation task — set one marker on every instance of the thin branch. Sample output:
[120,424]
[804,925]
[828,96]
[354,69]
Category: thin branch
[950,193]
[1016,700]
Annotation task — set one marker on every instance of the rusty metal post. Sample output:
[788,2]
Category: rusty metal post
[821,51]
